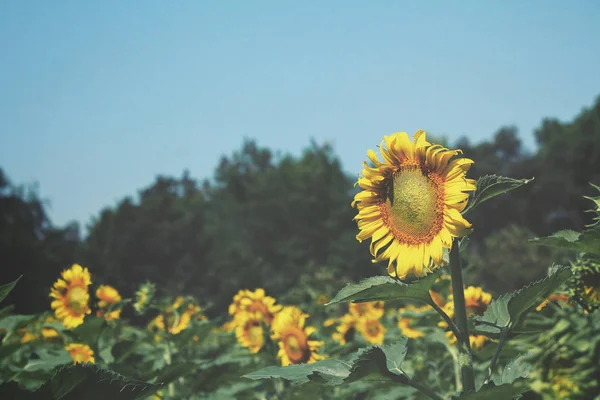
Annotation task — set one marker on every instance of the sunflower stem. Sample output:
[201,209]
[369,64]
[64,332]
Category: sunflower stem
[503,335]
[423,389]
[445,317]
[460,315]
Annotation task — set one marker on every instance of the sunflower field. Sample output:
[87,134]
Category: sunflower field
[418,327]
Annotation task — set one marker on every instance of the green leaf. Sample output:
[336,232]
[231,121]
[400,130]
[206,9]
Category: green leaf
[87,381]
[6,289]
[14,322]
[491,186]
[174,371]
[516,368]
[533,294]
[230,391]
[88,332]
[386,288]
[379,363]
[581,242]
[329,372]
[507,310]
[48,360]
[492,392]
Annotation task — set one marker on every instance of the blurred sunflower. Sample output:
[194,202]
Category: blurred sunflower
[404,326]
[250,332]
[49,333]
[80,353]
[476,301]
[372,309]
[346,329]
[178,317]
[143,296]
[437,298]
[411,203]
[293,337]
[27,336]
[71,297]
[257,301]
[371,329]
[553,298]
[562,387]
[107,296]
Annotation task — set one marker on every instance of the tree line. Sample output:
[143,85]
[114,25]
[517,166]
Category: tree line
[285,223]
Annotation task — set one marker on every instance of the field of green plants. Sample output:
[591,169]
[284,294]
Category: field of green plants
[413,330]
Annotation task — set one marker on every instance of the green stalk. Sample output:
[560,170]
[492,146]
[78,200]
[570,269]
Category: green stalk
[503,334]
[460,316]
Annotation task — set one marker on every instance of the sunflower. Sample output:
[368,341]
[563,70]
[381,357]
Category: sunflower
[80,353]
[553,298]
[107,296]
[411,203]
[437,298]
[414,309]
[346,329]
[49,333]
[27,335]
[404,326]
[371,309]
[477,341]
[143,297]
[371,329]
[322,299]
[178,317]
[250,332]
[562,386]
[294,344]
[476,302]
[71,297]
[248,301]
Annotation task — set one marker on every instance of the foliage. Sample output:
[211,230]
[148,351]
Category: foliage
[283,223]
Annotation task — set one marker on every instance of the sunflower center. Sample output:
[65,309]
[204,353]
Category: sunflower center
[296,347]
[414,205]
[475,307]
[77,299]
[255,333]
[373,329]
[258,306]
[349,334]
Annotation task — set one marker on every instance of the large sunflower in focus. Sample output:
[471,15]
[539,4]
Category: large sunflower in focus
[293,337]
[411,203]
[71,297]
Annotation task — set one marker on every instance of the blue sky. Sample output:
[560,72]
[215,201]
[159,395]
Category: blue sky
[96,98]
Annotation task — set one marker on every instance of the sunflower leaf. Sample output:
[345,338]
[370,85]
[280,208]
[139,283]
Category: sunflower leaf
[533,294]
[516,368]
[386,288]
[87,381]
[491,186]
[507,310]
[491,391]
[6,289]
[374,363]
[584,242]
[328,372]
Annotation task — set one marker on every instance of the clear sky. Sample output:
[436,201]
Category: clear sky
[97,97]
